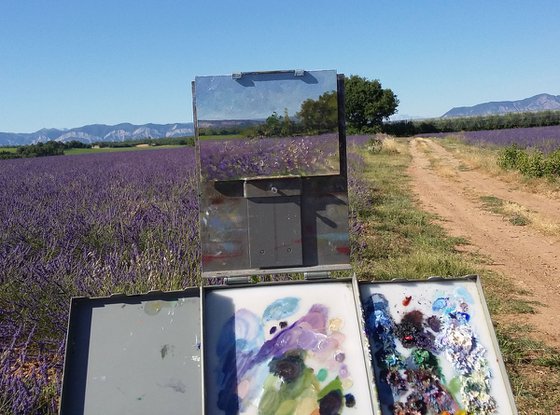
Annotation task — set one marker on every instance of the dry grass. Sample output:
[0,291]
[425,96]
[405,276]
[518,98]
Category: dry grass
[393,146]
[541,224]
[485,159]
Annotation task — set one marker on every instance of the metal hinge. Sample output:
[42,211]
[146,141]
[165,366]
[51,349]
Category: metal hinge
[317,275]
[238,280]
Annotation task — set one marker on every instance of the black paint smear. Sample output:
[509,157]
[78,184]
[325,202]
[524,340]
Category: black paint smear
[435,323]
[331,403]
[411,331]
[272,330]
[289,366]
[164,350]
[349,400]
[283,324]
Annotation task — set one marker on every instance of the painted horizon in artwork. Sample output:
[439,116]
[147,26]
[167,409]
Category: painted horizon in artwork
[432,351]
[289,349]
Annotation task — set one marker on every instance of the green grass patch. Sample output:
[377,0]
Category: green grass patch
[496,205]
[76,151]
[533,368]
[492,204]
[402,241]
[8,149]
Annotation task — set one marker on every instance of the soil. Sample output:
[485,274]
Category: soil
[528,258]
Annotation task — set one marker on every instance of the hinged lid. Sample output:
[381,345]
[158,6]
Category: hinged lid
[272,161]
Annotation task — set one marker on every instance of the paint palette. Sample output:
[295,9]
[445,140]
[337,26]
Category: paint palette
[292,348]
[433,349]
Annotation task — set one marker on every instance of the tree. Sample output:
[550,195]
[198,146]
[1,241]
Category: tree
[367,104]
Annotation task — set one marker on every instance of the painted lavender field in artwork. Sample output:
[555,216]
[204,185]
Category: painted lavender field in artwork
[432,351]
[230,159]
[269,351]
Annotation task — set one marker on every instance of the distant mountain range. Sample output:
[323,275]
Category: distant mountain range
[541,102]
[99,132]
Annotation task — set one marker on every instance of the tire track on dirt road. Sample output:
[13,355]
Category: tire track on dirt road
[531,260]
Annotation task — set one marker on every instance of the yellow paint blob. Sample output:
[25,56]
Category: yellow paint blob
[335,324]
[347,383]
[306,406]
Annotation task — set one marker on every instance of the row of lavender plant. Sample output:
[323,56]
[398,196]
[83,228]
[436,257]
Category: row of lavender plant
[545,139]
[93,225]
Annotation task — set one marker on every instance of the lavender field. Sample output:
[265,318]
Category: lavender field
[87,225]
[545,139]
[90,225]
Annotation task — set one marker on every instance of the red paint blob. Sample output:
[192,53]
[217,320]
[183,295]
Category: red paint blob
[407,300]
[343,250]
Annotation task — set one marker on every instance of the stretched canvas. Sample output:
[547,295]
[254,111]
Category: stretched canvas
[284,349]
[433,350]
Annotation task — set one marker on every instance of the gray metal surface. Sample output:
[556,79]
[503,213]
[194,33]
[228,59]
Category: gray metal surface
[134,355]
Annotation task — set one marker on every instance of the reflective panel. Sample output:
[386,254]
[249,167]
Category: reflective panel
[259,125]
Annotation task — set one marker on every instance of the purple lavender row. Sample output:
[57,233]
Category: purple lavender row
[545,139]
[84,225]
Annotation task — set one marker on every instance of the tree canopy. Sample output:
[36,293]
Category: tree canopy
[367,104]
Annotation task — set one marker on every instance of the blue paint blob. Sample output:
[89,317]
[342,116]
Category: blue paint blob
[463,316]
[282,308]
[465,295]
[349,400]
[440,304]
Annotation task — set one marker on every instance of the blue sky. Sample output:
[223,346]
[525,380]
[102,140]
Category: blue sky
[68,63]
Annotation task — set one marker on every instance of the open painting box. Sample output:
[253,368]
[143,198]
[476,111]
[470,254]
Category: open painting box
[309,347]
[273,200]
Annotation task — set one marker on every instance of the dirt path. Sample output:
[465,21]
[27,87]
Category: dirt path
[522,254]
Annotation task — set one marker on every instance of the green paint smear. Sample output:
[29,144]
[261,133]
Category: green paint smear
[286,408]
[322,375]
[278,400]
[454,386]
[427,361]
[335,385]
